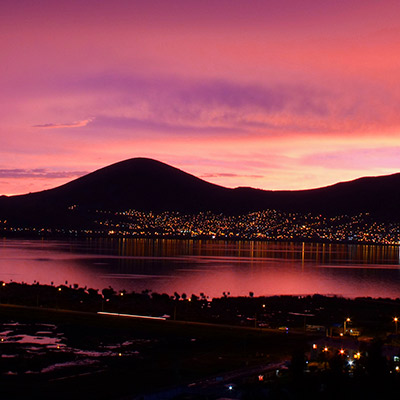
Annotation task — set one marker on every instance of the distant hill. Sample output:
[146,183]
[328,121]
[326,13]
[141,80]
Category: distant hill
[149,185]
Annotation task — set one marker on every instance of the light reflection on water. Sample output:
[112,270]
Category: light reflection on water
[206,266]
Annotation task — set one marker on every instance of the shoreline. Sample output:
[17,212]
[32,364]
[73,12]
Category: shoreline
[80,236]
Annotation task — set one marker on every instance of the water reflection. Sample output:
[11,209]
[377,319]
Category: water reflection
[211,267]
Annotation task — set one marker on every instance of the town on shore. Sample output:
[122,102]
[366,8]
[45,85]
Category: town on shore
[270,225]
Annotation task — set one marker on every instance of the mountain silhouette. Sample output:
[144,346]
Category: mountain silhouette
[149,185]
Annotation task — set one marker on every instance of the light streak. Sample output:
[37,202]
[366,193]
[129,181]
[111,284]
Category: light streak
[130,315]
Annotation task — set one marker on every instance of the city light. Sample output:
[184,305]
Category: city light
[267,224]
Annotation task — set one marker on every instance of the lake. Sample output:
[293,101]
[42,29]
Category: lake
[206,266]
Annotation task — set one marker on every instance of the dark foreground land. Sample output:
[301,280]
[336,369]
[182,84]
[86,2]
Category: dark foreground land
[54,344]
[108,357]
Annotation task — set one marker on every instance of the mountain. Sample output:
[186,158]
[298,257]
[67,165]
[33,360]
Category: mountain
[149,185]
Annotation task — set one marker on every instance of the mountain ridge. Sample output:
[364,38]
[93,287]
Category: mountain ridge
[149,185]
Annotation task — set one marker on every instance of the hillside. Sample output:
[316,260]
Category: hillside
[149,185]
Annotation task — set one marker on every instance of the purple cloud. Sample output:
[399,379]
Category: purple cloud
[298,98]
[39,173]
[172,105]
[76,124]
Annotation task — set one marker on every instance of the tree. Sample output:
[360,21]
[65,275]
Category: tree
[108,292]
[194,298]
[93,292]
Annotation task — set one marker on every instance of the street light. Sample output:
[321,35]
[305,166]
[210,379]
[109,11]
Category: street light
[344,325]
[395,319]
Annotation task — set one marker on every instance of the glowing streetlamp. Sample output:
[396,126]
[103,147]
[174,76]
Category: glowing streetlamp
[395,320]
[345,325]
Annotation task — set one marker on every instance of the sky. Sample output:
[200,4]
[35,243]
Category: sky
[283,94]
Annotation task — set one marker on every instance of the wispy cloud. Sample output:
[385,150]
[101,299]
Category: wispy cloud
[161,126]
[229,175]
[39,173]
[76,124]
[356,159]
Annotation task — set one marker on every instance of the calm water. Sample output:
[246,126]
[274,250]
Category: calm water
[211,267]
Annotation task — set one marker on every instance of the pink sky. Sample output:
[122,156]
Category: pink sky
[281,94]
